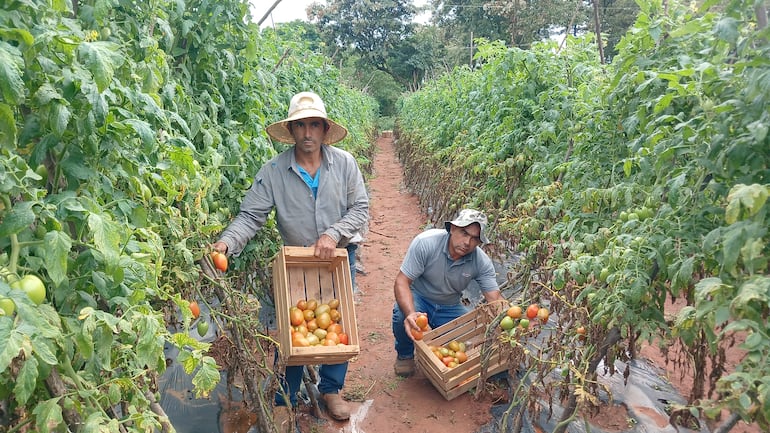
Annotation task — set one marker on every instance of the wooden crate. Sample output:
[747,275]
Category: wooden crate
[297,274]
[469,328]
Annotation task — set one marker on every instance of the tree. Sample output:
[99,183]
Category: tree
[370,29]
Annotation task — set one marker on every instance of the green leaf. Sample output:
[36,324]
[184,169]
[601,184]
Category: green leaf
[20,35]
[58,118]
[18,219]
[103,339]
[101,58]
[207,377]
[7,127]
[56,252]
[11,72]
[48,415]
[25,381]
[144,130]
[10,343]
[44,350]
[106,236]
[751,197]
[95,423]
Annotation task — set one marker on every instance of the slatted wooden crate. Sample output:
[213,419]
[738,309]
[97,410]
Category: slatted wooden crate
[297,274]
[470,329]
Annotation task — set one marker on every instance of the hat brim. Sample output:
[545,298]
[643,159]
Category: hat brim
[279,131]
[482,236]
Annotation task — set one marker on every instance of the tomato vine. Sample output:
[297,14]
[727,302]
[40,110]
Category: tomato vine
[622,187]
[128,133]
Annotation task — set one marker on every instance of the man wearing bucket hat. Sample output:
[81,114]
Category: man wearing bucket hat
[320,200]
[440,264]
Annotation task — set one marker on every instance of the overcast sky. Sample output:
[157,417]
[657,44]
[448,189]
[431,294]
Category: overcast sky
[287,10]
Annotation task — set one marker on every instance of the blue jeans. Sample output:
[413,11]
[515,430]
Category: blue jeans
[437,316]
[332,375]
[332,381]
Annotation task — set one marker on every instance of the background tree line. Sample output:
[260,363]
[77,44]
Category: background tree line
[381,49]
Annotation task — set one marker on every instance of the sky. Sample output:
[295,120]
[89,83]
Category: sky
[287,10]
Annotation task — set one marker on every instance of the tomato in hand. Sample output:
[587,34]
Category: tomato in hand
[422,321]
[417,335]
[220,260]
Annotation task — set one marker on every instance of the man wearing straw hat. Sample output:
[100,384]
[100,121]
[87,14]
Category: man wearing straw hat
[320,200]
[440,264]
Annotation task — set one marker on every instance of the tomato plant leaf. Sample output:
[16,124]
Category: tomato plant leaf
[49,415]
[10,343]
[7,127]
[55,254]
[144,131]
[11,65]
[103,339]
[58,118]
[43,349]
[101,58]
[18,219]
[105,235]
[207,377]
[25,381]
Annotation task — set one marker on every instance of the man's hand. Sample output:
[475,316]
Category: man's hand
[410,324]
[207,266]
[324,247]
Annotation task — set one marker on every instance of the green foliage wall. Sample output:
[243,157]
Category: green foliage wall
[129,131]
[622,186]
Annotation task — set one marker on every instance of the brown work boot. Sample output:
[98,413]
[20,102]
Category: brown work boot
[336,406]
[283,419]
[404,367]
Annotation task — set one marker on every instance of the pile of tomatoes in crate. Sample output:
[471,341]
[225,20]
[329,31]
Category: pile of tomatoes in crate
[451,354]
[315,323]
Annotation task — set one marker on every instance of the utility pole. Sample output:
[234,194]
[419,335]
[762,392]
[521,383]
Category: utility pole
[598,31]
[470,63]
[267,14]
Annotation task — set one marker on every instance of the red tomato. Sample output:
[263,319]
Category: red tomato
[417,335]
[343,337]
[220,260]
[532,311]
[195,309]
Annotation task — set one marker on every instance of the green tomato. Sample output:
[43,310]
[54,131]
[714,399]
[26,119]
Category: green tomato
[524,323]
[33,287]
[7,306]
[203,328]
[506,323]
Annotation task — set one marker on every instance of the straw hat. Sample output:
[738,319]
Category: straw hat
[302,106]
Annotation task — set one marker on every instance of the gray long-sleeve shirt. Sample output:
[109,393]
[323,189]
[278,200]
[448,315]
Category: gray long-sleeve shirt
[341,209]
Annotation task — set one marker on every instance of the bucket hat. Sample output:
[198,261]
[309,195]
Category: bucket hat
[467,217]
[302,106]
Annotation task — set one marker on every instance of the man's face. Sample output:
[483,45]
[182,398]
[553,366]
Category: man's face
[308,133]
[462,240]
